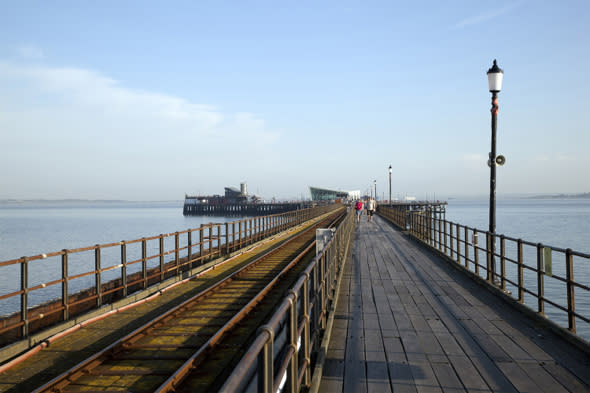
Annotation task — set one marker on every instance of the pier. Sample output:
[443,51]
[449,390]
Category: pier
[239,209]
[407,304]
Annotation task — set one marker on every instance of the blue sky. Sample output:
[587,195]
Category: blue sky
[147,100]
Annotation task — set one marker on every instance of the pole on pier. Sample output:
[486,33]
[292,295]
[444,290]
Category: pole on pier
[390,170]
[495,76]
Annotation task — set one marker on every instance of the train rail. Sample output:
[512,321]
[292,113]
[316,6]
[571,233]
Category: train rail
[192,346]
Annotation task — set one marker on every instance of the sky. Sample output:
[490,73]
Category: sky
[152,100]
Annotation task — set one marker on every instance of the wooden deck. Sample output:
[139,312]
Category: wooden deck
[406,321]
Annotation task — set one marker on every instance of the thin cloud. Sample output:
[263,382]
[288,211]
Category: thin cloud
[31,52]
[487,16]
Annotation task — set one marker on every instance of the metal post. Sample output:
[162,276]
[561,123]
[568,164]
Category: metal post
[375,181]
[124,267]
[97,277]
[227,238]
[144,262]
[520,272]
[540,280]
[571,304]
[466,235]
[177,253]
[189,252]
[492,229]
[201,238]
[503,262]
[161,257]
[24,297]
[390,185]
[65,301]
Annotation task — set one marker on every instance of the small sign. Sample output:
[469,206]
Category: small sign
[547,259]
[322,237]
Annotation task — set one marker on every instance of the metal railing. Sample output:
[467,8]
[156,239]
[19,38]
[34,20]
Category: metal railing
[522,269]
[280,356]
[58,286]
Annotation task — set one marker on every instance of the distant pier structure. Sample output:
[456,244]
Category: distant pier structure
[235,203]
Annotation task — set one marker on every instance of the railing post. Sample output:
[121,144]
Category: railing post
[97,276]
[520,261]
[144,262]
[177,253]
[65,300]
[489,257]
[226,238]
[124,267]
[293,364]
[503,262]
[540,280]
[24,297]
[571,303]
[161,257]
[439,234]
[466,238]
[201,238]
[265,363]
[233,236]
[189,240]
[451,234]
[476,251]
[240,245]
[306,332]
[458,251]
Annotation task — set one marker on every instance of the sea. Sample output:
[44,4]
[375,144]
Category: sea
[30,228]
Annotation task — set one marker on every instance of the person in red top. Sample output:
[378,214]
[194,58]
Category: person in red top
[359,210]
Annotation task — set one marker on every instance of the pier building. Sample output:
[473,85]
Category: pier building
[324,194]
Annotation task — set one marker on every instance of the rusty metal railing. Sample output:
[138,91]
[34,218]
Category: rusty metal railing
[58,286]
[521,268]
[280,356]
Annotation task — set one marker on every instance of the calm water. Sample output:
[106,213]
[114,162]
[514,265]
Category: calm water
[35,228]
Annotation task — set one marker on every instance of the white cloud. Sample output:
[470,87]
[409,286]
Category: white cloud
[73,125]
[484,17]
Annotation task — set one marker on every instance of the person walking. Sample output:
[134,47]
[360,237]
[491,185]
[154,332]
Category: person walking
[371,207]
[359,210]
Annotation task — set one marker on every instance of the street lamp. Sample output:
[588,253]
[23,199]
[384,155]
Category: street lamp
[495,75]
[375,181]
[390,170]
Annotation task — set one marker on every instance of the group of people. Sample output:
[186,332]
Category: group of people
[370,206]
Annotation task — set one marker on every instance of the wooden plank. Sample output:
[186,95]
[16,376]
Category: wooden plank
[542,378]
[468,374]
[447,379]
[516,375]
[424,377]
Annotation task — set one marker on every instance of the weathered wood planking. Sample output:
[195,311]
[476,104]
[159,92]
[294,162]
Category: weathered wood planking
[408,322]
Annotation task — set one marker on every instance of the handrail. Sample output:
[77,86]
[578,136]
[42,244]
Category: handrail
[519,266]
[93,276]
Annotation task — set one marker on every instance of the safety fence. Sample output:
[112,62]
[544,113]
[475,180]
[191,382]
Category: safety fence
[280,357]
[549,280]
[42,290]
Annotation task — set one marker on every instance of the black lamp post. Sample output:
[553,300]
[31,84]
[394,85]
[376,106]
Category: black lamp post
[390,170]
[495,75]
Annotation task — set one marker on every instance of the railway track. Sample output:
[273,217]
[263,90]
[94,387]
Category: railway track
[191,347]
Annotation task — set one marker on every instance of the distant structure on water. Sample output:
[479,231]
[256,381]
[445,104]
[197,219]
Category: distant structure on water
[235,203]
[324,194]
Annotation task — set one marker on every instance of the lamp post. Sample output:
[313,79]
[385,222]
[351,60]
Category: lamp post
[495,75]
[390,170]
[375,181]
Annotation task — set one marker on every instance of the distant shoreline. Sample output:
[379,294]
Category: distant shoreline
[585,195]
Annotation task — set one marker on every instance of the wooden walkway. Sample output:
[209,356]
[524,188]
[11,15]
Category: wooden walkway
[406,321]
